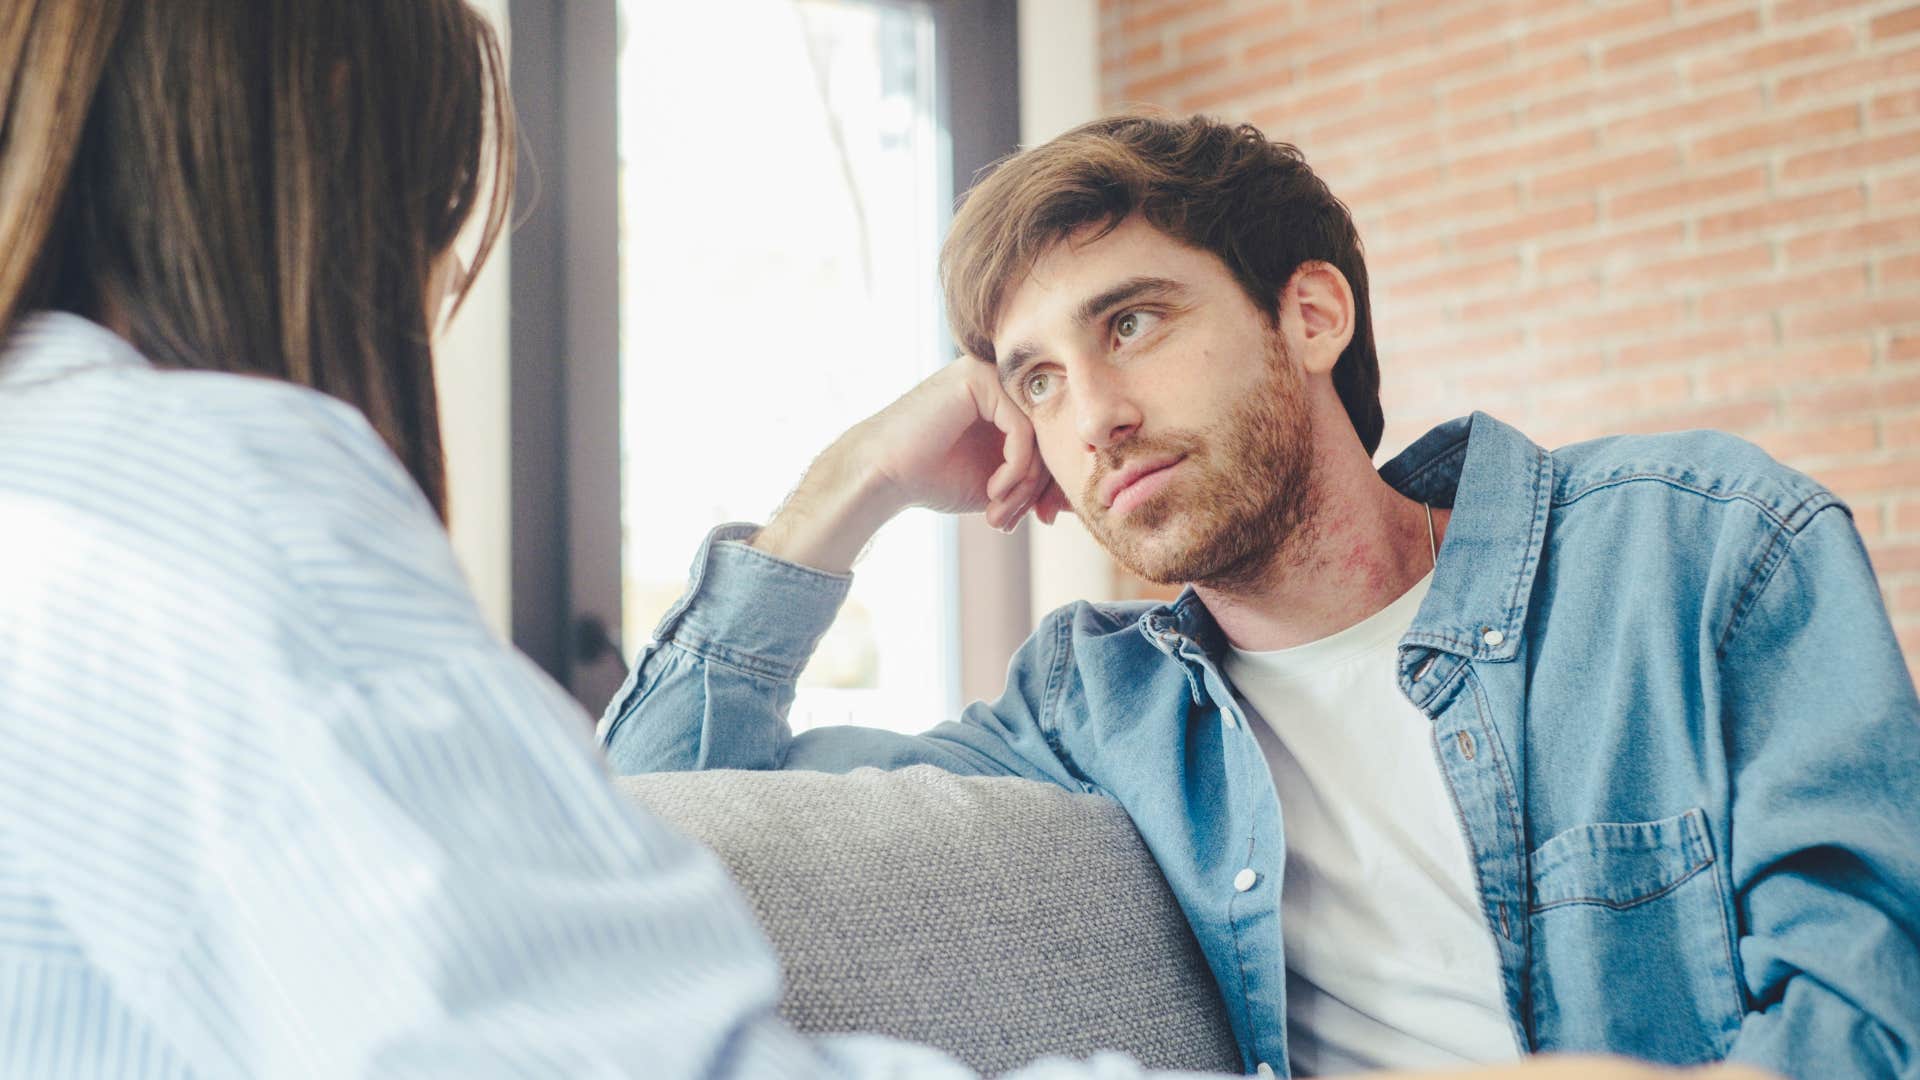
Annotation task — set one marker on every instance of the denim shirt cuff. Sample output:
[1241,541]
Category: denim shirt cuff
[751,610]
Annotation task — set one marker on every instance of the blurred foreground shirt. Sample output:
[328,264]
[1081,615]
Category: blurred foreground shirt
[273,800]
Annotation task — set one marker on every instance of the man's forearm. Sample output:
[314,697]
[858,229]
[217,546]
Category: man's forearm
[829,519]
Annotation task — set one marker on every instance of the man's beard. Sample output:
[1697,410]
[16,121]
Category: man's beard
[1247,492]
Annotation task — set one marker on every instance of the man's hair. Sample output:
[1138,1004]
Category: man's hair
[1223,189]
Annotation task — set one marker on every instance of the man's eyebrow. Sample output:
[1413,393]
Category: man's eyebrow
[1011,361]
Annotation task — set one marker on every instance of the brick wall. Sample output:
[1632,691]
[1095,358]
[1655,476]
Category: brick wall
[1590,216]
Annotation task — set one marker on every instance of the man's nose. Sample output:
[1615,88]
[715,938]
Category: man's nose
[1105,412]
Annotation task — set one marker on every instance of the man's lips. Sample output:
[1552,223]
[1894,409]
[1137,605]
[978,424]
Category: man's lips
[1115,483]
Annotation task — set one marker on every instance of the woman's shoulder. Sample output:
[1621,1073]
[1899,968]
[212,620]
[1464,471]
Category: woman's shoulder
[235,478]
[80,403]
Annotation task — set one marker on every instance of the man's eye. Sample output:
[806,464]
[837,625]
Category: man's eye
[1038,385]
[1132,324]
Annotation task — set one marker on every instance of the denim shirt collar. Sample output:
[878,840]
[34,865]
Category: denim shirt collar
[1499,485]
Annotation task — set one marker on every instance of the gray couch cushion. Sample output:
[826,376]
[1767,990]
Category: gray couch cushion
[999,920]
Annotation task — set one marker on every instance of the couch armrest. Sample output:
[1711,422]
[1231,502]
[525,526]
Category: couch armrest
[999,920]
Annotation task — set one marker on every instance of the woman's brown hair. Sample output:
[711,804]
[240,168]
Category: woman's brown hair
[1224,189]
[255,186]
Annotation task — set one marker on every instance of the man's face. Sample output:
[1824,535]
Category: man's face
[1165,404]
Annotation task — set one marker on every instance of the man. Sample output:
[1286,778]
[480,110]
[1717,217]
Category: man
[1630,764]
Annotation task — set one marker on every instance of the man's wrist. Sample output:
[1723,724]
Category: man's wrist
[827,522]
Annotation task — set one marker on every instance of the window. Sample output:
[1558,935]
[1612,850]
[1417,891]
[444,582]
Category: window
[767,182]
[779,233]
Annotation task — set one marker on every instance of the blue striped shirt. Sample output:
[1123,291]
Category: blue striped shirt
[275,802]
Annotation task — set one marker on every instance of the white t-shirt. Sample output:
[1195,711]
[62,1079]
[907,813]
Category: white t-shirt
[1390,963]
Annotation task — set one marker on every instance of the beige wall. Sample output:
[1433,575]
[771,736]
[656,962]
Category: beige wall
[472,374]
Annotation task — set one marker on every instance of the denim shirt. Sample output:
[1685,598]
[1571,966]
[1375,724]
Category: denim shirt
[1678,733]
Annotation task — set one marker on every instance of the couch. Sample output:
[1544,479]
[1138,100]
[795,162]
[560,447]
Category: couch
[1000,920]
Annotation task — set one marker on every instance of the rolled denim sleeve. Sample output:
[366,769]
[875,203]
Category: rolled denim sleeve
[1823,733]
[713,688]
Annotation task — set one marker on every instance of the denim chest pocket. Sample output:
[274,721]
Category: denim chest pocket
[1630,950]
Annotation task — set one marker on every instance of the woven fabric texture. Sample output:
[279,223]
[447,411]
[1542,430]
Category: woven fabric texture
[1000,920]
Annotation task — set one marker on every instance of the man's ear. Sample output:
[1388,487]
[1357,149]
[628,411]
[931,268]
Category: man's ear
[1316,314]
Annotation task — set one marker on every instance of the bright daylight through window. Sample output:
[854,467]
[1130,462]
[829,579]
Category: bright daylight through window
[782,201]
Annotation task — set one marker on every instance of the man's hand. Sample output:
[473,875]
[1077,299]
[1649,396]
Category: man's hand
[956,443]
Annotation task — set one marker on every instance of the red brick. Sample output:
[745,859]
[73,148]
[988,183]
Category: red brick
[1893,190]
[1795,10]
[1895,24]
[1527,227]
[1719,108]
[1781,211]
[1850,482]
[1296,109]
[1777,133]
[1896,106]
[1906,516]
[1782,370]
[1237,91]
[1515,87]
[1861,396]
[1606,96]
[1397,186]
[1272,15]
[1864,316]
[1741,418]
[1638,395]
[1165,11]
[1874,70]
[1512,159]
[1149,89]
[1700,35]
[1463,133]
[1501,271]
[1715,265]
[1448,211]
[1763,59]
[1446,68]
[1688,348]
[1505,15]
[1812,445]
[1759,299]
[1903,350]
[1608,173]
[1528,303]
[1372,52]
[1893,557]
[1854,156]
[1300,42]
[1691,191]
[1588,327]
[1598,24]
[1865,236]
[1901,432]
[1393,116]
[1614,245]
[1898,270]
[1868,519]
[1138,57]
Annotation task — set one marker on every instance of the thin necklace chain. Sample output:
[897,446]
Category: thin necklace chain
[1432,544]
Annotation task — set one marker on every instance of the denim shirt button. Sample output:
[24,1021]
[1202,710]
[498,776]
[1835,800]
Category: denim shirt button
[1492,637]
[1264,1072]
[1245,879]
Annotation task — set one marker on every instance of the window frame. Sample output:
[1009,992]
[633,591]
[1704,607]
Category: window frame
[564,338]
